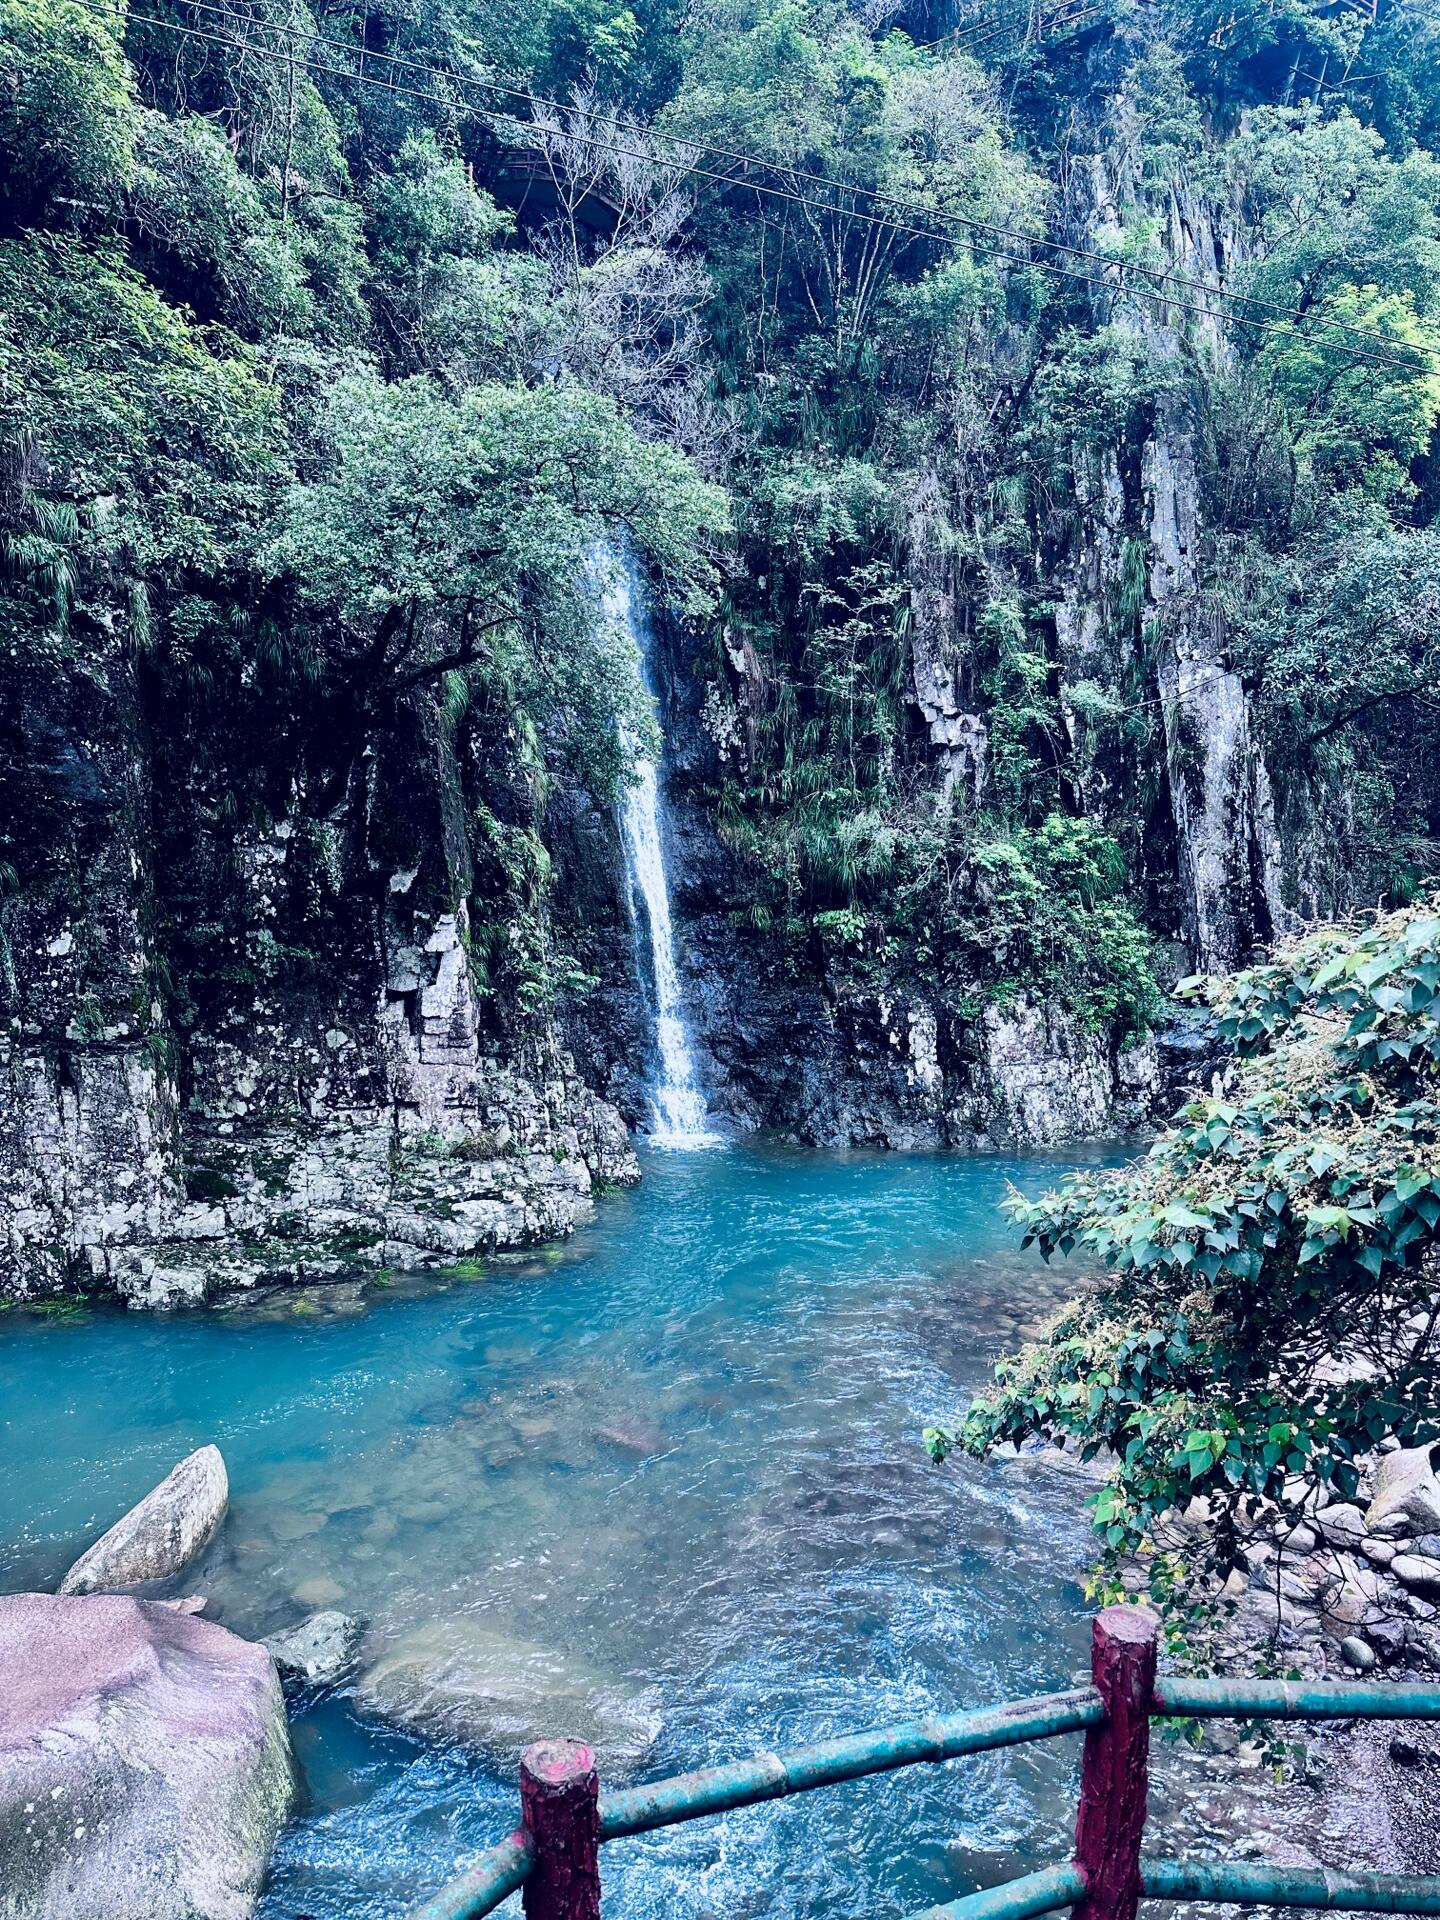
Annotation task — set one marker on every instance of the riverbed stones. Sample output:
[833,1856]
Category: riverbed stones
[1417,1572]
[1343,1525]
[1389,1638]
[462,1680]
[145,1765]
[1405,1484]
[1358,1654]
[161,1535]
[319,1591]
[632,1433]
[319,1649]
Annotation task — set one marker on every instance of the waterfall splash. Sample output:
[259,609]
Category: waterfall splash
[678,1113]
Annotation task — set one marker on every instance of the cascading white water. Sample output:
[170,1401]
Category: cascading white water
[679,1116]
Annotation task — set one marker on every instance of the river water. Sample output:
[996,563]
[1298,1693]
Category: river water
[684,1450]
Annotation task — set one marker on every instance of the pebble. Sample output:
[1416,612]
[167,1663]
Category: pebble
[1357,1654]
[1404,1751]
[633,1435]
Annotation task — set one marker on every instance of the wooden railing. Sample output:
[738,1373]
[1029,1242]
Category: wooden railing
[554,1854]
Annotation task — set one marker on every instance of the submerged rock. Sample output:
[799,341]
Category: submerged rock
[318,1649]
[632,1434]
[460,1680]
[145,1765]
[161,1535]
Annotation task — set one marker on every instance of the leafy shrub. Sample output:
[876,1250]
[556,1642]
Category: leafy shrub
[1270,1294]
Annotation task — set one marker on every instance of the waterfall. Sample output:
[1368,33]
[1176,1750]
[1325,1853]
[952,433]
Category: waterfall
[678,1113]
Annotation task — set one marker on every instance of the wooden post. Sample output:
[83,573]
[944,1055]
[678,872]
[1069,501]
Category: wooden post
[560,1802]
[1114,1774]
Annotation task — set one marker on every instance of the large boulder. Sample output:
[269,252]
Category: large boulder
[460,1680]
[162,1534]
[1406,1486]
[145,1765]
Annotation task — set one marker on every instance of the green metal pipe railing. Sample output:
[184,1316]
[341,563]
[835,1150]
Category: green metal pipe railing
[566,1818]
[1293,1700]
[1043,1892]
[771,1776]
[1250,1883]
[1239,1883]
[493,1878]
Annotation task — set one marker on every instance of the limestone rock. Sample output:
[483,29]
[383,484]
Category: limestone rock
[1389,1638]
[461,1680]
[1050,1080]
[1343,1525]
[1405,1484]
[319,1649]
[145,1765]
[1416,1571]
[162,1534]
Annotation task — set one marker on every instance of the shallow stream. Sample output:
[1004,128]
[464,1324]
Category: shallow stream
[684,1450]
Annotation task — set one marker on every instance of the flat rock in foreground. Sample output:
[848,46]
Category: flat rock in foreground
[145,1765]
[461,1680]
[162,1534]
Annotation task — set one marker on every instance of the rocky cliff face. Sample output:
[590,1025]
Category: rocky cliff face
[834,1059]
[1227,853]
[256,1031]
[174,1124]
[271,1050]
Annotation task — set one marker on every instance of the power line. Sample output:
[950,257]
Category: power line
[1207,287]
[1108,285]
[1157,276]
[987,27]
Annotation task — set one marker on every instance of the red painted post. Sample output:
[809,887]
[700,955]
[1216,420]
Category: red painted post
[1114,1774]
[560,1803]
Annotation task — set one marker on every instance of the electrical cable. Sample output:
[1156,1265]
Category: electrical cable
[116,8]
[1158,277]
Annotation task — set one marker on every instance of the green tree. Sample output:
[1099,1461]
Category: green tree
[67,115]
[1270,1272]
[161,442]
[445,535]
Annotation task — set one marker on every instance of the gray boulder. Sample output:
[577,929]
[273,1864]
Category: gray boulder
[1406,1487]
[161,1535]
[319,1649]
[1420,1574]
[1343,1525]
[460,1680]
[145,1765]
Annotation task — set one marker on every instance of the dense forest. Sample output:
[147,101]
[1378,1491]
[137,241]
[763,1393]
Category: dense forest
[1025,420]
[587,577]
